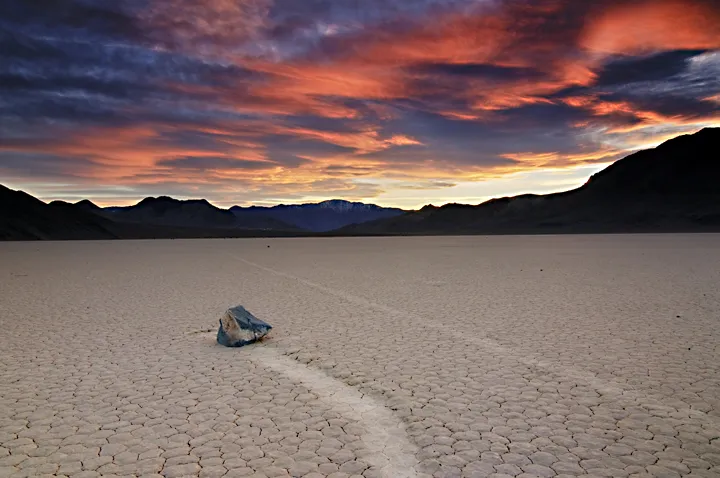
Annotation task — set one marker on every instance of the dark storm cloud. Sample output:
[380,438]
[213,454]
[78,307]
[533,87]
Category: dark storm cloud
[698,80]
[213,162]
[471,144]
[666,105]
[15,46]
[285,156]
[548,116]
[67,82]
[80,79]
[289,143]
[38,109]
[652,68]
[291,19]
[45,166]
[108,18]
[194,140]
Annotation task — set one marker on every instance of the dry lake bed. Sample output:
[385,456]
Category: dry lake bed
[390,357]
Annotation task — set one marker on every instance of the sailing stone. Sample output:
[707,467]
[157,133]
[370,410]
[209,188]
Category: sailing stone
[239,327]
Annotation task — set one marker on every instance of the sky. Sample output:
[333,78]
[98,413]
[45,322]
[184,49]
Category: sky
[397,102]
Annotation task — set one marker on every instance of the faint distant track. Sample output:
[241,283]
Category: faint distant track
[604,387]
[392,453]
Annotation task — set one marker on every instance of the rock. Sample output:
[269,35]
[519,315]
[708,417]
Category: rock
[239,327]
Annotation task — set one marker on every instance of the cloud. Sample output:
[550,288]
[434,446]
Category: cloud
[104,18]
[205,163]
[641,27]
[651,68]
[477,70]
[273,100]
[33,166]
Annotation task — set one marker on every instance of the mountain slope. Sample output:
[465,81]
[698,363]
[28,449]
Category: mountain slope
[686,165]
[673,187]
[196,213]
[88,205]
[320,217]
[24,217]
[167,211]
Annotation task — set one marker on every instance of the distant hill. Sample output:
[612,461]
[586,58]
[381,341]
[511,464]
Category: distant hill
[88,205]
[24,217]
[196,213]
[673,187]
[320,217]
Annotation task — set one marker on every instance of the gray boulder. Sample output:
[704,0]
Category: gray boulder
[239,327]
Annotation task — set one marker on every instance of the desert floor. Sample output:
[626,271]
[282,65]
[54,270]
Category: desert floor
[394,357]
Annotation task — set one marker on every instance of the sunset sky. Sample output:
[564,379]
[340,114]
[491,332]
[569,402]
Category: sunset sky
[396,102]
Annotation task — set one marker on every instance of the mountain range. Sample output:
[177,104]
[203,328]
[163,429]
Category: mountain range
[197,213]
[321,217]
[24,217]
[673,187]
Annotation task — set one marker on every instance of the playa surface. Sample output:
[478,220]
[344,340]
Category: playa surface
[390,357]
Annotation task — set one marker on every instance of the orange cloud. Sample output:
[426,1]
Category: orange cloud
[366,141]
[555,160]
[713,99]
[647,26]
[306,79]
[373,65]
[206,26]
[305,88]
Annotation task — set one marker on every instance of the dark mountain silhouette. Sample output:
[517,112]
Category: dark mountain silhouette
[196,213]
[24,217]
[320,217]
[88,205]
[686,165]
[673,187]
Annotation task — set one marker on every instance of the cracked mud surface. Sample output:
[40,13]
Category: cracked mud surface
[444,357]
